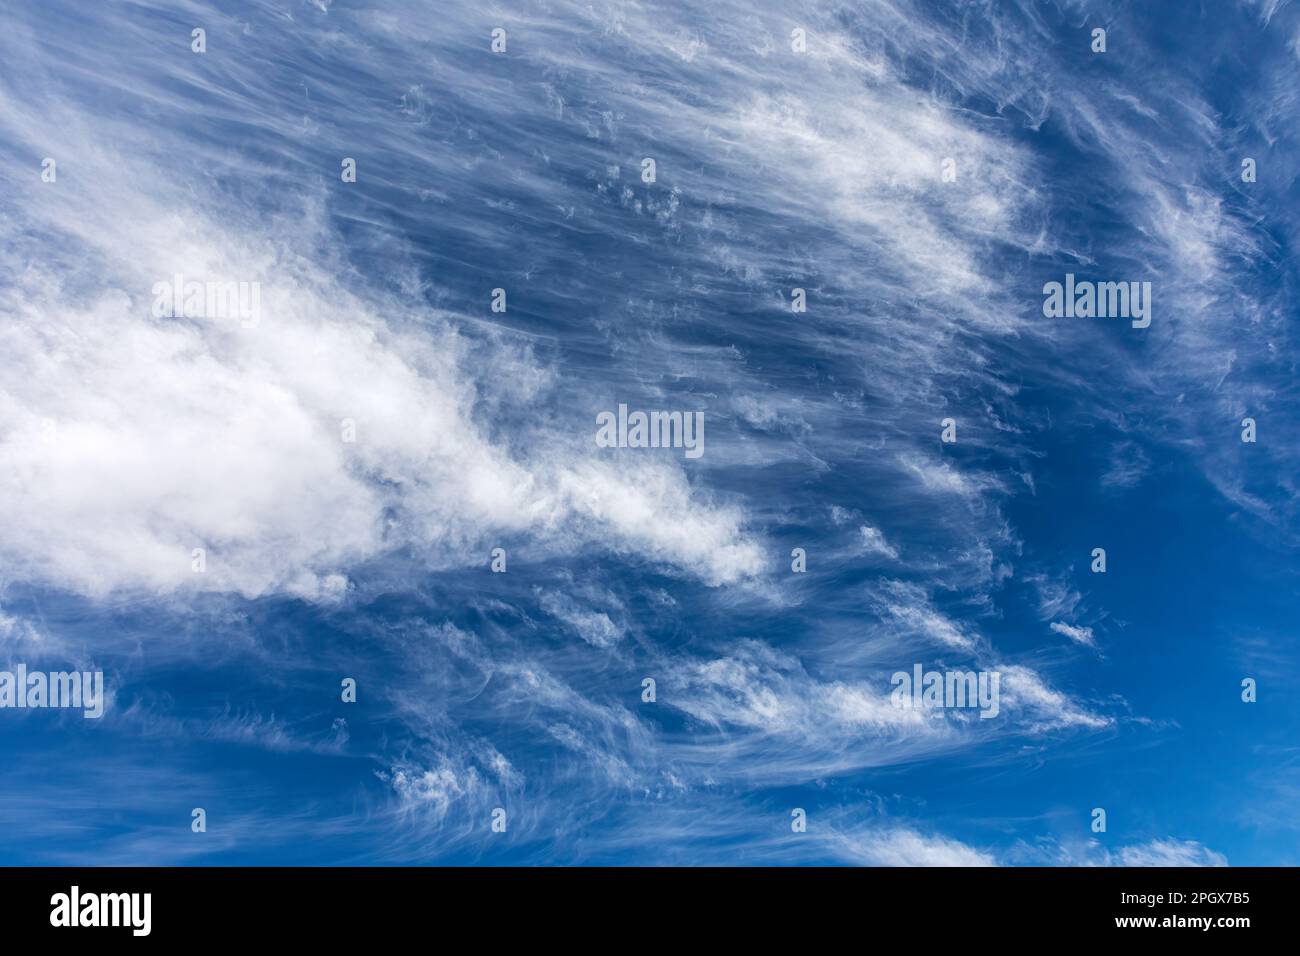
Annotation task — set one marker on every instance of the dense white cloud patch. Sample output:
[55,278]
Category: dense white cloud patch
[902,846]
[132,439]
[1076,633]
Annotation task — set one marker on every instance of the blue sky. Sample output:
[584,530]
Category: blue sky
[130,438]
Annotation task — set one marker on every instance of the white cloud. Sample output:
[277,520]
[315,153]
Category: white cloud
[434,788]
[1161,851]
[902,846]
[1170,852]
[1045,708]
[1056,598]
[1080,635]
[908,607]
[594,627]
[873,542]
[174,434]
